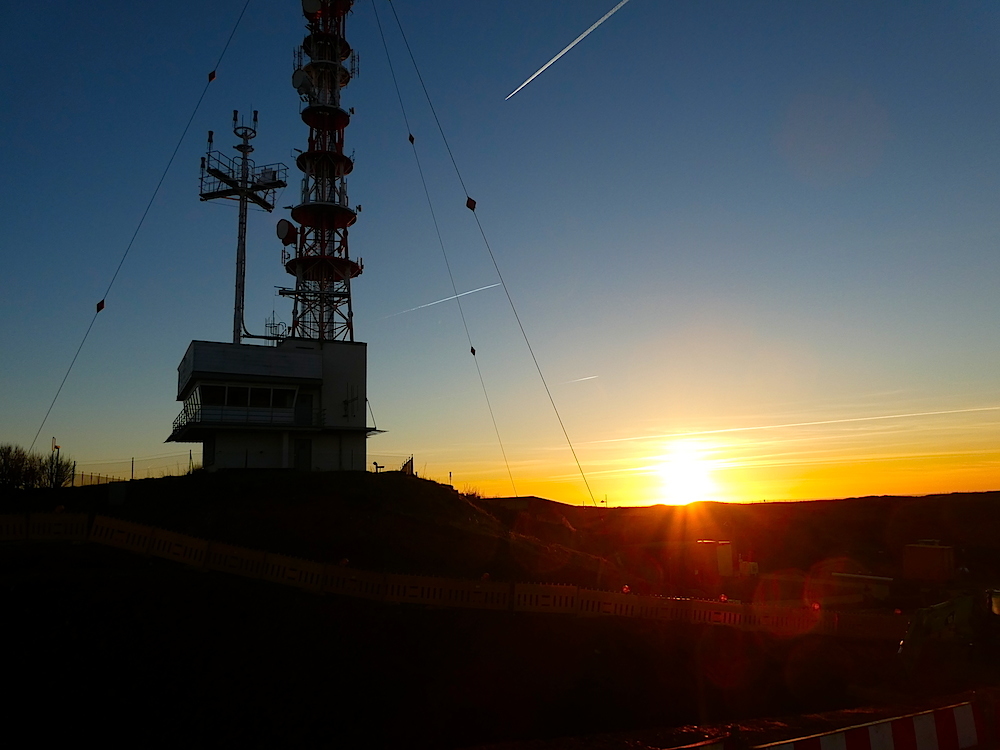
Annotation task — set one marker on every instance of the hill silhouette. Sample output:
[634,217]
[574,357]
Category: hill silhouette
[151,650]
[398,523]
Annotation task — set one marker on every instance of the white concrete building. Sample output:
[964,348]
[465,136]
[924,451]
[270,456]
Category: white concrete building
[298,405]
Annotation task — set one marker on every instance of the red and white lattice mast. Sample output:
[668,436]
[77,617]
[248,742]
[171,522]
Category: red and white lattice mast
[316,251]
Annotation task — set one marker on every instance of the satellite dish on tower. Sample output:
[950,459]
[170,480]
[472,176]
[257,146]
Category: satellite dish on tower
[311,7]
[301,81]
[287,232]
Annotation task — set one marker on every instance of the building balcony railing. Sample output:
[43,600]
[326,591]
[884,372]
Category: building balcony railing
[250,416]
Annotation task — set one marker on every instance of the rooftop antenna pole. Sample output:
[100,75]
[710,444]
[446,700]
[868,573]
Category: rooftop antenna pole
[240,179]
[245,149]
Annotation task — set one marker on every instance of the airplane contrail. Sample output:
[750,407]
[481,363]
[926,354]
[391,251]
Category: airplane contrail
[580,380]
[571,45]
[801,424]
[438,302]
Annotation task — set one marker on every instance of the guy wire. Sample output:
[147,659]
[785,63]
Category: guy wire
[437,230]
[142,219]
[471,204]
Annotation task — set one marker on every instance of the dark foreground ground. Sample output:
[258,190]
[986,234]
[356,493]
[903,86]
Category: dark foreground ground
[149,653]
[144,652]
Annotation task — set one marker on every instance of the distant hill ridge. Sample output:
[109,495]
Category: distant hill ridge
[394,522]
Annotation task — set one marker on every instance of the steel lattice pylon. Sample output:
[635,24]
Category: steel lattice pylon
[317,252]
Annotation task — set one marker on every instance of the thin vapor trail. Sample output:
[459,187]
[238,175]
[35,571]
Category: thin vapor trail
[438,302]
[571,45]
[580,380]
[801,424]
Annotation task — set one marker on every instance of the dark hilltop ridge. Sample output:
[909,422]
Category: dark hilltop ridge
[397,523]
[146,652]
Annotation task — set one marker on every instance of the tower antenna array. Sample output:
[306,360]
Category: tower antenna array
[316,251]
[240,179]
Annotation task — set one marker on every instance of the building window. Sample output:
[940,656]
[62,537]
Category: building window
[237,396]
[213,395]
[282,398]
[245,404]
[260,398]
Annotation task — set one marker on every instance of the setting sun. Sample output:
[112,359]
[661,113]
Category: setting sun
[686,473]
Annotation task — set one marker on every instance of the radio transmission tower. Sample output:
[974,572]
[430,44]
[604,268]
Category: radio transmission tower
[316,251]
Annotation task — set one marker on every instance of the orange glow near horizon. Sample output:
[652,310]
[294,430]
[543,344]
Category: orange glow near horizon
[903,476]
[950,452]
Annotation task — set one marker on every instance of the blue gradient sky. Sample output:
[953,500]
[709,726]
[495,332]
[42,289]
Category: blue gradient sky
[732,214]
